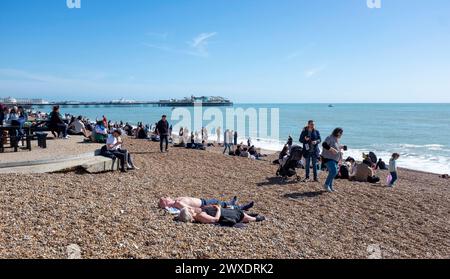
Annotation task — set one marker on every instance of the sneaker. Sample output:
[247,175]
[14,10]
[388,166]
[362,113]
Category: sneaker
[234,200]
[260,218]
[248,206]
[328,189]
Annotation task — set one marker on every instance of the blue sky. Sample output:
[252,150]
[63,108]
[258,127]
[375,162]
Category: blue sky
[247,50]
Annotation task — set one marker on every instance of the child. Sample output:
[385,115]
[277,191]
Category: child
[393,168]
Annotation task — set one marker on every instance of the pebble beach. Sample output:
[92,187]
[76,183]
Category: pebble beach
[115,215]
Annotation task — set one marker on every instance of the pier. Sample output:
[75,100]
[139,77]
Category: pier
[207,101]
[134,104]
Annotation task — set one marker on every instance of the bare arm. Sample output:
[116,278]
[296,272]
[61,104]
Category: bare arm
[119,142]
[206,219]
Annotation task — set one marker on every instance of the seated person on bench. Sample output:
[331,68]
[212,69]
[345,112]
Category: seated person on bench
[113,149]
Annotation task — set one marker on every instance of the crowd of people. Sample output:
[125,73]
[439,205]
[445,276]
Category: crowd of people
[16,116]
[312,153]
[330,158]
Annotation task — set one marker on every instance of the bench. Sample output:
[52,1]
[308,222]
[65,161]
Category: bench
[100,164]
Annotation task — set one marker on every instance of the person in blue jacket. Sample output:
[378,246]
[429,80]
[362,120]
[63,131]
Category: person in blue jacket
[310,137]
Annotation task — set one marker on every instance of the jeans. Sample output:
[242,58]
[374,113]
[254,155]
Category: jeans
[213,202]
[332,167]
[394,178]
[162,139]
[121,154]
[19,122]
[124,157]
[61,128]
[312,158]
[227,146]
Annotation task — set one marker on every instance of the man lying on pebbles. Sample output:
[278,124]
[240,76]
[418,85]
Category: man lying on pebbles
[181,202]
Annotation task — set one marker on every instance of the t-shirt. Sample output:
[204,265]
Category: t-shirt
[111,140]
[77,126]
[392,165]
[309,146]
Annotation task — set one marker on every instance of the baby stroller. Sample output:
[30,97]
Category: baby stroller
[290,162]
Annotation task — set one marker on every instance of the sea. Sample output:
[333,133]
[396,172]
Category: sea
[419,132]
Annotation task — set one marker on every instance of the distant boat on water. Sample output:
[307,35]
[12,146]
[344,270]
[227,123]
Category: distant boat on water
[330,106]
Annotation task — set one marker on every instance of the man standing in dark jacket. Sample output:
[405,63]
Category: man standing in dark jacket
[162,129]
[311,139]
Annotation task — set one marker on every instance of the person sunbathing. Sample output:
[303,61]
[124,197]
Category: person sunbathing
[181,202]
[215,214]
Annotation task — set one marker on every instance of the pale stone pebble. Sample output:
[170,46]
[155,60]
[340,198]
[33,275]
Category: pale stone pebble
[73,252]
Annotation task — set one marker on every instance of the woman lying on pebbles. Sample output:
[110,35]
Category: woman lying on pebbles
[214,214]
[182,202]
